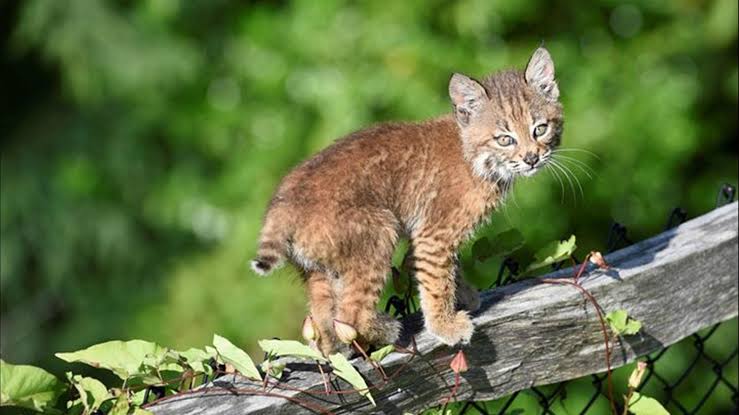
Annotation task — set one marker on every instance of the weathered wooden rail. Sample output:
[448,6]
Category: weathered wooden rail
[530,333]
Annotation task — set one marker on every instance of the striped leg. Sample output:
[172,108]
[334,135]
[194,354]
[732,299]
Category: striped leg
[357,305]
[434,268]
[322,305]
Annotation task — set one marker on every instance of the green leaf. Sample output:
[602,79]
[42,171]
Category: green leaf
[290,348]
[137,398]
[644,405]
[196,355]
[160,369]
[272,368]
[345,370]
[92,392]
[198,359]
[124,358]
[235,356]
[553,252]
[622,324]
[382,353]
[499,245]
[120,406]
[28,387]
[481,249]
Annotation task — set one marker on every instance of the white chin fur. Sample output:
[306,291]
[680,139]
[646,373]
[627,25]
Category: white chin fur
[529,173]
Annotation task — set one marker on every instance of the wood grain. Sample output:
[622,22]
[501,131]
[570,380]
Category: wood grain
[530,333]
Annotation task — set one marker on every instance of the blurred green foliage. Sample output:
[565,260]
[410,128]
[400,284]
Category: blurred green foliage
[141,141]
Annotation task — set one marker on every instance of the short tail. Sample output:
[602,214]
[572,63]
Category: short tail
[272,247]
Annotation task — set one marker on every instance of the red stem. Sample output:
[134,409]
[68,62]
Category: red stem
[453,392]
[372,362]
[575,283]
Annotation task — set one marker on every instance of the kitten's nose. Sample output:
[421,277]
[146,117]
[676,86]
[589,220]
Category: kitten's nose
[531,159]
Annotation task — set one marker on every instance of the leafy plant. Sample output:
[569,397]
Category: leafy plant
[124,358]
[644,405]
[345,370]
[292,348]
[637,403]
[553,252]
[382,353]
[235,356]
[623,324]
[28,387]
[92,393]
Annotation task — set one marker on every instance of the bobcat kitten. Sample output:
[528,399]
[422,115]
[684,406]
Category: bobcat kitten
[338,216]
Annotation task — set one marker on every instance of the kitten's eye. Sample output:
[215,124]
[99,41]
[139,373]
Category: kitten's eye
[540,130]
[505,140]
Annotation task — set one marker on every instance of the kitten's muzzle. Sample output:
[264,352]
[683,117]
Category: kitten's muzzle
[531,159]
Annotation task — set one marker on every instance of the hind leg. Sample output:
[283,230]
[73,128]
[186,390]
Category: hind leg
[357,305]
[364,267]
[357,243]
[322,302]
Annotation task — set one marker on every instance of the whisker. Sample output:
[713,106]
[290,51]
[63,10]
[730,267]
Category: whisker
[560,150]
[565,176]
[559,167]
[513,198]
[569,157]
[577,163]
[574,177]
[554,173]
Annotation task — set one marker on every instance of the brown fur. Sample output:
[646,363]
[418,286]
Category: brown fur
[339,215]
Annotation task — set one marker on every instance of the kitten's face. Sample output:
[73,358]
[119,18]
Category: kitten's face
[512,121]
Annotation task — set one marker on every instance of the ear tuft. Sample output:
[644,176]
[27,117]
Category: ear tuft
[467,97]
[540,74]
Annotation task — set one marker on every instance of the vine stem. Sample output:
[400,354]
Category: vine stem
[627,399]
[324,378]
[584,291]
[452,394]
[372,362]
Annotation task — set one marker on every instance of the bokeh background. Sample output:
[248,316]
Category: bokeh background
[141,141]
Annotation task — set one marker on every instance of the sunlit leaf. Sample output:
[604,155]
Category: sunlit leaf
[622,324]
[235,356]
[28,387]
[273,368]
[553,252]
[120,406]
[345,370]
[382,353]
[92,392]
[292,348]
[124,358]
[198,359]
[644,405]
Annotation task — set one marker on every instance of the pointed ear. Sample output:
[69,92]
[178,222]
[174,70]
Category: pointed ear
[540,74]
[467,97]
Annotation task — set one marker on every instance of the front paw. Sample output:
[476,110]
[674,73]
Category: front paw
[452,331]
